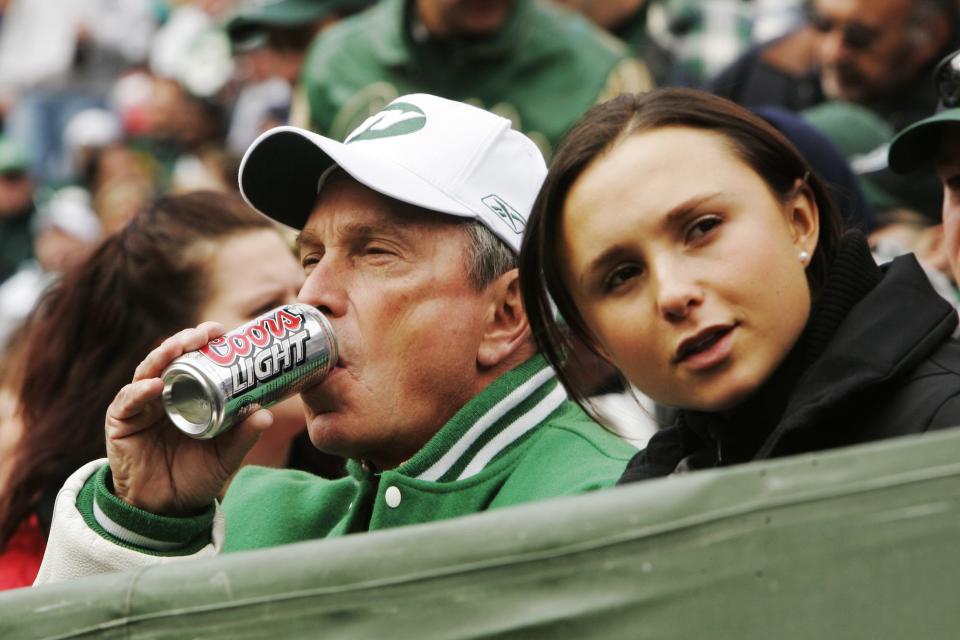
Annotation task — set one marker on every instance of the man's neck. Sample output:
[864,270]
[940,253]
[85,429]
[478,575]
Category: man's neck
[484,379]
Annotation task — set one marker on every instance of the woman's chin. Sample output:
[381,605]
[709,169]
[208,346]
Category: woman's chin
[713,400]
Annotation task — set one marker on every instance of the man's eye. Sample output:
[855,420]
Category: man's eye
[619,276]
[702,227]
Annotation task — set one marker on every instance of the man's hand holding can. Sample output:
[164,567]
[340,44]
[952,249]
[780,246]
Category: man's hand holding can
[157,467]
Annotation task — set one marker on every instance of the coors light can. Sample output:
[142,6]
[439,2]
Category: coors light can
[272,357]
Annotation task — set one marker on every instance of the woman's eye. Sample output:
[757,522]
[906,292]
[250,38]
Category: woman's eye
[308,261]
[619,276]
[702,227]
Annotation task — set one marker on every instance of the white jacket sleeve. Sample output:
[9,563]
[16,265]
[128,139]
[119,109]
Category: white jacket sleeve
[74,550]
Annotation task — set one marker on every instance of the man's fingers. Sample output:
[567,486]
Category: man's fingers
[174,347]
[137,405]
[237,442]
[260,420]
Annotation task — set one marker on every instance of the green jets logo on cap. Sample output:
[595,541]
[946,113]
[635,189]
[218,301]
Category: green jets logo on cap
[396,119]
[505,212]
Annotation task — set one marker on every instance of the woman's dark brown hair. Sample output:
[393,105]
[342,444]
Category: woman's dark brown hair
[90,330]
[759,145]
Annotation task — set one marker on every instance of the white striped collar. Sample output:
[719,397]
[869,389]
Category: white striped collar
[490,424]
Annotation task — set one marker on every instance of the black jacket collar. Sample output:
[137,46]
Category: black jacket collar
[892,330]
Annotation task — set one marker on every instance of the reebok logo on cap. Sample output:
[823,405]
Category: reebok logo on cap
[505,212]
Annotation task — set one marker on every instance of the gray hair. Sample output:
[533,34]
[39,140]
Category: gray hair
[488,257]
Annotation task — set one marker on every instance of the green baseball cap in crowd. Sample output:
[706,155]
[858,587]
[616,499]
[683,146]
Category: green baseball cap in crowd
[438,154]
[864,139]
[12,156]
[855,130]
[917,145]
[251,18]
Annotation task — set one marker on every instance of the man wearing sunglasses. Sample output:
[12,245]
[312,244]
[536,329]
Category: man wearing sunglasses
[876,53]
[936,141]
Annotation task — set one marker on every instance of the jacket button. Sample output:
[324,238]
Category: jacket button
[392,496]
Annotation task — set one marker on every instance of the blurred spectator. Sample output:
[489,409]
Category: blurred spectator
[192,50]
[906,221]
[183,103]
[66,231]
[187,258]
[58,57]
[628,20]
[270,42]
[117,179]
[687,42]
[182,136]
[16,207]
[774,18]
[876,53]
[85,137]
[130,99]
[538,65]
[935,140]
[119,199]
[702,37]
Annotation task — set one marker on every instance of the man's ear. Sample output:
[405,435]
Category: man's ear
[507,329]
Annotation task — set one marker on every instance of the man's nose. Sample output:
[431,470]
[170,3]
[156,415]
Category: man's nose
[833,48]
[325,288]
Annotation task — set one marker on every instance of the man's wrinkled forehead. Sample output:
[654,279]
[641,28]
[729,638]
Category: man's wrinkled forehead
[349,209]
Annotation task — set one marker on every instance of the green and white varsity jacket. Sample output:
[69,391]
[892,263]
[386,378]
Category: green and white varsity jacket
[518,441]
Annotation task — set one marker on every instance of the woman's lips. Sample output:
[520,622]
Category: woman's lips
[706,349]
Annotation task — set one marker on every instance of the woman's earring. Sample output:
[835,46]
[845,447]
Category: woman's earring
[804,256]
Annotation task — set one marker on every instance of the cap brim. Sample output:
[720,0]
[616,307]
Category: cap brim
[280,173]
[243,27]
[916,146]
[283,14]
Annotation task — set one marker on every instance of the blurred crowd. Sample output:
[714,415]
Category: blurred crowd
[106,105]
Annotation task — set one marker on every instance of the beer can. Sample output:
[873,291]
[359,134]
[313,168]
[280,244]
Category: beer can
[256,365]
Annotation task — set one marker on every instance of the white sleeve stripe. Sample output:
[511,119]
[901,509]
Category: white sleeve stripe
[512,433]
[131,537]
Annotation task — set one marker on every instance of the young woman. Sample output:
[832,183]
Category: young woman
[186,258]
[686,241]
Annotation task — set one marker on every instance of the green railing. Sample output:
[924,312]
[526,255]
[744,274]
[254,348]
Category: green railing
[855,543]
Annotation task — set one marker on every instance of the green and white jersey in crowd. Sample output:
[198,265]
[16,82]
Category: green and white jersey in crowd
[542,71]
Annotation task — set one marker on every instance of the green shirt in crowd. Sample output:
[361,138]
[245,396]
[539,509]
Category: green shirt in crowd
[542,70]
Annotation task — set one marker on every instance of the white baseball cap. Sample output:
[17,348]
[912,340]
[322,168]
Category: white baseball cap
[431,152]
